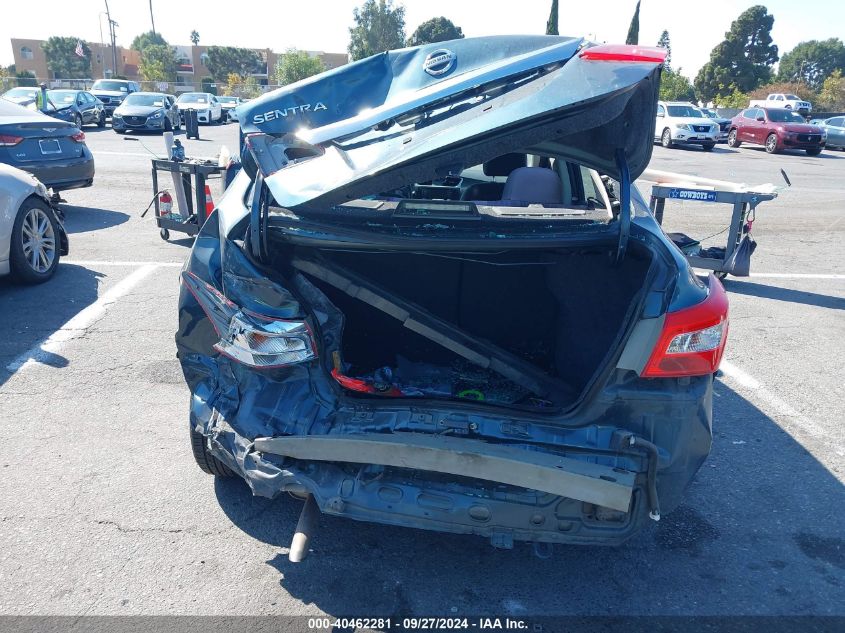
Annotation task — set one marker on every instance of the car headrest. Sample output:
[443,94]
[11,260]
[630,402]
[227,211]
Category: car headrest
[534,185]
[503,165]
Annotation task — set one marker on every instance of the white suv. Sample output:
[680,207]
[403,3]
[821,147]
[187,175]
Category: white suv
[681,123]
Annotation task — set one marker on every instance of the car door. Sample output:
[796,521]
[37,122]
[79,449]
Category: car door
[660,121]
[756,127]
[82,108]
[836,131]
[742,125]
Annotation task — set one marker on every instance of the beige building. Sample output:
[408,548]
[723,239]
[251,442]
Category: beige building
[29,56]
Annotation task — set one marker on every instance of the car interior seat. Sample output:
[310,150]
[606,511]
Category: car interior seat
[533,185]
[500,166]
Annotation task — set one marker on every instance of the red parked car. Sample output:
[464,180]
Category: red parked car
[776,129]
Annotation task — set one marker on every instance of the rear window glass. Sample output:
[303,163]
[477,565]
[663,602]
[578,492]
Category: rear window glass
[61,96]
[145,100]
[110,85]
[683,111]
[193,98]
[785,116]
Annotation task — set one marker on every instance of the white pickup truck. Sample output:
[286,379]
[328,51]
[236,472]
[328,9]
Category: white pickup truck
[783,100]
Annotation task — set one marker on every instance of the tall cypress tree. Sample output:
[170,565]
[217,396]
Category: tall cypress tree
[634,29]
[551,25]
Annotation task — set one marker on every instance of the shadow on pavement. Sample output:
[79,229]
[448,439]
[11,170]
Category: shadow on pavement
[759,533]
[84,219]
[777,293]
[30,314]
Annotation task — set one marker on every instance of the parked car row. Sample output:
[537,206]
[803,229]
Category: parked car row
[129,107]
[776,129]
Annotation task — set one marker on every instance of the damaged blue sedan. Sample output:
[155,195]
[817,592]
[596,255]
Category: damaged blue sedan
[432,298]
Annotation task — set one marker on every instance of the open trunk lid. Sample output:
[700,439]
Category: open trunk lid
[411,127]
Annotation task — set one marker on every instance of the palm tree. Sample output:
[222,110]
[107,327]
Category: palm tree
[195,38]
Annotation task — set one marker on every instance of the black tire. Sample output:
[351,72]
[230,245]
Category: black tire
[772,144]
[207,462]
[708,147]
[733,141]
[101,122]
[666,139]
[167,126]
[77,120]
[116,131]
[22,271]
[721,276]
[813,152]
[164,234]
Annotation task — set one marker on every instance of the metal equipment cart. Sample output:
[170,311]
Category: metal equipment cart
[195,173]
[690,189]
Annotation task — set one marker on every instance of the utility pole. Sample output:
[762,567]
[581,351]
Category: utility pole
[112,24]
[152,19]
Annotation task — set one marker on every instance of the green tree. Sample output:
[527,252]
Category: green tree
[832,94]
[62,59]
[158,63]
[675,87]
[207,84]
[735,99]
[295,65]
[26,79]
[223,60]
[743,60]
[195,37]
[664,42]
[147,39]
[552,22]
[379,27]
[812,62]
[634,29]
[435,30]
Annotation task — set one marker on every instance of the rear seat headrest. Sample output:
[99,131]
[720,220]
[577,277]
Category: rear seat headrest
[503,165]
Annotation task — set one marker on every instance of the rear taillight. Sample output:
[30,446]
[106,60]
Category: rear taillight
[624,53]
[7,141]
[254,340]
[79,137]
[693,339]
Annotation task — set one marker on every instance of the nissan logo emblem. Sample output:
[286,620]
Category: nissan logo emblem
[439,62]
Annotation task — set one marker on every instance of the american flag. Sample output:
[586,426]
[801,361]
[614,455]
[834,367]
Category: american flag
[79,50]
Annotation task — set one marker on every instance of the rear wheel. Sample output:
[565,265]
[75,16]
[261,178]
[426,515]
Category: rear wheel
[733,141]
[77,120]
[772,143]
[814,152]
[708,147]
[207,462]
[33,251]
[101,122]
[666,138]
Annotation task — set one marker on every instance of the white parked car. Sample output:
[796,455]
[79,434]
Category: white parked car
[208,107]
[32,237]
[783,100]
[681,123]
[230,105]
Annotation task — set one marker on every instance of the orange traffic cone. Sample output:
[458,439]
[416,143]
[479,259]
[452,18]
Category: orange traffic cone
[209,203]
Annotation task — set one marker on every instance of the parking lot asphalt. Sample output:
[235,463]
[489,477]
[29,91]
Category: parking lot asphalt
[102,510]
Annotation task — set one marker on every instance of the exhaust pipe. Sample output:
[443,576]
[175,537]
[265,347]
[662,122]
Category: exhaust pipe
[304,529]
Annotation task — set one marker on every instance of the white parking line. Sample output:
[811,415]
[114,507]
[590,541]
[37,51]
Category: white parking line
[797,276]
[79,324]
[768,399]
[96,262]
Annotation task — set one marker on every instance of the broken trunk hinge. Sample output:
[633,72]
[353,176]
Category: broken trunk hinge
[625,204]
[258,220]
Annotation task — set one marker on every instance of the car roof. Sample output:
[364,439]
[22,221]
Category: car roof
[152,94]
[13,113]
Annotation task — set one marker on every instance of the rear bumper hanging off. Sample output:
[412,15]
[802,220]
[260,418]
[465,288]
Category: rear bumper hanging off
[566,477]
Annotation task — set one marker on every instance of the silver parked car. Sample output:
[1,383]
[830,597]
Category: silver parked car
[834,129]
[32,236]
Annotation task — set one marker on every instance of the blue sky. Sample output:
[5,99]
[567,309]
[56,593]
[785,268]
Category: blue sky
[695,27]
